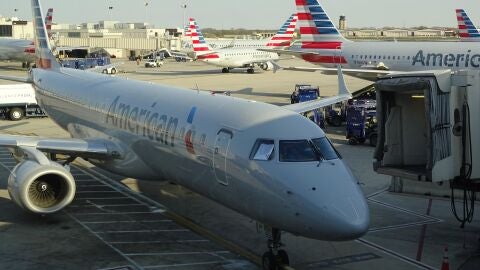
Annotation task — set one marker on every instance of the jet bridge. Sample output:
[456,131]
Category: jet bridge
[429,129]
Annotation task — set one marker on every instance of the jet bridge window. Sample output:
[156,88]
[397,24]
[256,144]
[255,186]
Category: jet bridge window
[297,151]
[325,147]
[263,149]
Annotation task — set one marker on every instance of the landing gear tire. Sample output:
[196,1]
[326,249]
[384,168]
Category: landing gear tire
[282,257]
[113,71]
[225,70]
[269,262]
[24,65]
[274,258]
[250,71]
[16,114]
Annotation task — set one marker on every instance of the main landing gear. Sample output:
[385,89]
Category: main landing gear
[274,258]
[250,71]
[225,70]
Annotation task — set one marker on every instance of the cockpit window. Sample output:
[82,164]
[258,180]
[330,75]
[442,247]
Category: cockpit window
[263,150]
[324,146]
[297,151]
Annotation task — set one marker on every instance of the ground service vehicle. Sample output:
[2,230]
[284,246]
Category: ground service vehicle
[361,122]
[18,101]
[306,92]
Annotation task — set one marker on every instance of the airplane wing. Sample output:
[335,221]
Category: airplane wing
[368,74]
[16,79]
[343,94]
[91,148]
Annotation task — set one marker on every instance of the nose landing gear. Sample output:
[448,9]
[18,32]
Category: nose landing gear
[275,257]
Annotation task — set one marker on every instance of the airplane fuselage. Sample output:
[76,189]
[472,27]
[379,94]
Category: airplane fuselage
[237,58]
[401,56]
[205,142]
[17,50]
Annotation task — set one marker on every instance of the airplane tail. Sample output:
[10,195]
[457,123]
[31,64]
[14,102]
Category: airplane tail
[45,58]
[187,32]
[200,46]
[316,28]
[284,36]
[48,22]
[466,28]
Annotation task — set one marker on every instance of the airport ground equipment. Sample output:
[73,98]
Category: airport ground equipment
[153,63]
[361,122]
[18,101]
[306,92]
[102,64]
[429,130]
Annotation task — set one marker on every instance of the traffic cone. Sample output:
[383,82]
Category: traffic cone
[445,264]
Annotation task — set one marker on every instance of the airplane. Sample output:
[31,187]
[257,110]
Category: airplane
[22,49]
[265,161]
[284,34]
[466,29]
[322,44]
[239,57]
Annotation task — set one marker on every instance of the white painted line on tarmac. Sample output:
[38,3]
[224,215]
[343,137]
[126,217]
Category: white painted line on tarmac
[181,264]
[159,242]
[111,213]
[401,226]
[98,191]
[405,210]
[146,231]
[104,205]
[128,221]
[396,255]
[177,253]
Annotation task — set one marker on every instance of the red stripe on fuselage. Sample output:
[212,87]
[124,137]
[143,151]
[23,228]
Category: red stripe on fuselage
[324,59]
[322,45]
[208,56]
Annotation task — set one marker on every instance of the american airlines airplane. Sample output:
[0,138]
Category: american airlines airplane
[283,36]
[267,162]
[466,29]
[232,58]
[21,50]
[322,44]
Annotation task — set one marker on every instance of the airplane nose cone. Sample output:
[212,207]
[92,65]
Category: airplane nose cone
[341,211]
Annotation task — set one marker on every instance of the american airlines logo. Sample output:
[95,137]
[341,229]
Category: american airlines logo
[446,60]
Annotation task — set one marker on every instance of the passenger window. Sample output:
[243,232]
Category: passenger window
[263,150]
[296,151]
[325,147]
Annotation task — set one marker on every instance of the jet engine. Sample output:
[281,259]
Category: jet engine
[266,66]
[41,188]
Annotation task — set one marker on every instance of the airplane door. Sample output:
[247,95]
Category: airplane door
[222,143]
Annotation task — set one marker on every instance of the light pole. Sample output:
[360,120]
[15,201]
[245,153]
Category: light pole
[184,6]
[146,11]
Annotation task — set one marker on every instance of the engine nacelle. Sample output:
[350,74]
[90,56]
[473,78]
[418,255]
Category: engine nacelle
[266,66]
[41,189]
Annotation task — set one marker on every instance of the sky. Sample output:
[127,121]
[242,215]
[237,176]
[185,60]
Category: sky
[250,14]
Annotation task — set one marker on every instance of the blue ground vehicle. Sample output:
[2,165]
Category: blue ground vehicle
[361,122]
[306,92]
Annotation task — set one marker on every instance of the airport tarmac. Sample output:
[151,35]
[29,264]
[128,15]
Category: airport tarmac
[152,225]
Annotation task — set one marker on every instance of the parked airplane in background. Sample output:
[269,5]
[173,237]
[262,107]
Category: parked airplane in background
[322,44]
[267,162]
[282,38]
[22,50]
[466,29]
[238,57]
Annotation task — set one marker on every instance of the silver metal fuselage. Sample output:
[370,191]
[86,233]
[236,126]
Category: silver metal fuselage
[15,49]
[204,142]
[239,57]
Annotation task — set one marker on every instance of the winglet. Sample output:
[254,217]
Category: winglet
[276,67]
[45,57]
[342,87]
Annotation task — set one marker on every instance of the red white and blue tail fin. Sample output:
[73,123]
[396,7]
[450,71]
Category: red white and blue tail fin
[284,36]
[48,22]
[187,32]
[45,58]
[466,29]
[200,46]
[316,29]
